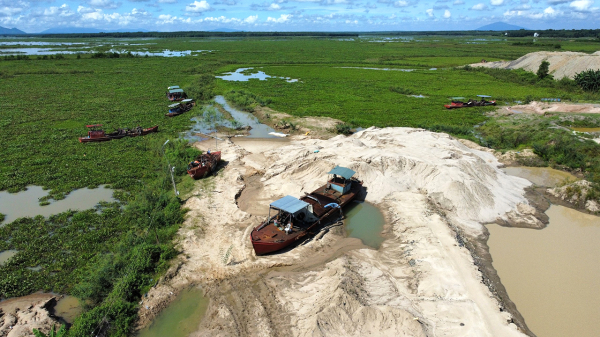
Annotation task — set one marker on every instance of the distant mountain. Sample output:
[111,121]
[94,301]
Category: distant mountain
[225,30]
[500,26]
[10,31]
[83,30]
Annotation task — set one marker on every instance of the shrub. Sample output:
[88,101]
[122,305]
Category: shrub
[343,128]
[543,70]
[588,80]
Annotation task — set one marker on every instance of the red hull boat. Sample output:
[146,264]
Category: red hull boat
[98,135]
[204,164]
[295,219]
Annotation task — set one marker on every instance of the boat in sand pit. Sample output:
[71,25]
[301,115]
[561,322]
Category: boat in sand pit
[294,219]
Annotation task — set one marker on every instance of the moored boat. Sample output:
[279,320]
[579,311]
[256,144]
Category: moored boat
[96,134]
[176,109]
[174,93]
[204,164]
[295,219]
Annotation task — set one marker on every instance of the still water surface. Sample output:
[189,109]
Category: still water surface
[365,222]
[553,274]
[6,255]
[258,130]
[26,203]
[68,308]
[181,317]
[541,176]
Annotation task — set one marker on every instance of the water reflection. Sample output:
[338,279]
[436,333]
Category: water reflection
[240,76]
[386,69]
[26,203]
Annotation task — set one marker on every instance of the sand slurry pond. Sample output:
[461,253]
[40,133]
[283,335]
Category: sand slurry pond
[431,276]
[552,274]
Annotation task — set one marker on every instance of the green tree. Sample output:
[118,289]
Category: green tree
[543,70]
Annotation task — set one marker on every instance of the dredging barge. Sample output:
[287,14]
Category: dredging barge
[295,219]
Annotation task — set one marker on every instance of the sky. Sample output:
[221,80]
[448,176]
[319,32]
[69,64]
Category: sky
[34,16]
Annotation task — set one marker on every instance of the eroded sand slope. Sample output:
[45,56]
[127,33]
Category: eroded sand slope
[562,64]
[423,281]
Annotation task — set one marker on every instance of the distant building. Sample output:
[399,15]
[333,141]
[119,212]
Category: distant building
[536,35]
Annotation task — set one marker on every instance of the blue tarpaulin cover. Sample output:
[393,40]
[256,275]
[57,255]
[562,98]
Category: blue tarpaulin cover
[484,96]
[342,171]
[289,204]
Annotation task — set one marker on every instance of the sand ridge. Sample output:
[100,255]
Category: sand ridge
[436,194]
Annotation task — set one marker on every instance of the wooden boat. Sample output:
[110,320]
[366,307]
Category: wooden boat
[176,94]
[204,164]
[295,219]
[455,104]
[176,109]
[96,134]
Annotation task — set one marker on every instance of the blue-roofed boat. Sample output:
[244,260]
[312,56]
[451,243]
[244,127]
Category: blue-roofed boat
[291,220]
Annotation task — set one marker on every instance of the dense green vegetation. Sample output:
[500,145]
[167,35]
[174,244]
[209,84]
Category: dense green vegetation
[589,80]
[109,257]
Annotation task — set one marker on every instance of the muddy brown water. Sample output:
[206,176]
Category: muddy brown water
[68,308]
[26,203]
[181,317]
[541,176]
[586,129]
[553,274]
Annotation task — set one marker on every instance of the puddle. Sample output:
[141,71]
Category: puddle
[68,308]
[180,318]
[164,53]
[258,130]
[418,96]
[365,222]
[238,76]
[26,203]
[6,255]
[39,43]
[586,129]
[541,176]
[52,51]
[386,69]
[552,274]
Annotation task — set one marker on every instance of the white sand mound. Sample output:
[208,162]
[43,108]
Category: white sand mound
[562,64]
[421,282]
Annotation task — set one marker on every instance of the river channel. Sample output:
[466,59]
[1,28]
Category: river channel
[552,275]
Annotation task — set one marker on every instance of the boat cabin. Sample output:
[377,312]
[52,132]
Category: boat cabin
[174,107]
[173,87]
[290,212]
[342,179]
[95,131]
[176,94]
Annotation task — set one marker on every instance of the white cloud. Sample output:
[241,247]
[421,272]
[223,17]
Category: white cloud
[401,3]
[274,7]
[167,1]
[197,7]
[105,4]
[251,19]
[83,10]
[549,11]
[282,18]
[479,7]
[497,2]
[447,14]
[429,12]
[458,2]
[557,2]
[581,5]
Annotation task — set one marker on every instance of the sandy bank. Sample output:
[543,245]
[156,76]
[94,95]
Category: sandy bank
[431,276]
[540,108]
[562,64]
[19,316]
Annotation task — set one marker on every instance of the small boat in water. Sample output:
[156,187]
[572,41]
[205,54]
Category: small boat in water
[290,219]
[176,109]
[204,164]
[96,134]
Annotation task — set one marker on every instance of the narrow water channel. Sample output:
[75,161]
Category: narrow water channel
[258,130]
[181,317]
[365,222]
[553,274]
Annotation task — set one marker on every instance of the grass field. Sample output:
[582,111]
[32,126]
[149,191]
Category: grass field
[110,258]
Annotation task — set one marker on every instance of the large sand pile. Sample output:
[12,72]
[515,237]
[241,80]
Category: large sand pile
[562,64]
[436,194]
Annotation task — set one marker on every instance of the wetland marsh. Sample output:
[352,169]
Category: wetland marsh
[111,255]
